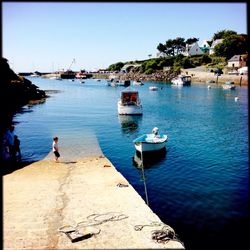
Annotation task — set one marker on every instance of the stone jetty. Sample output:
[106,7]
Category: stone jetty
[47,204]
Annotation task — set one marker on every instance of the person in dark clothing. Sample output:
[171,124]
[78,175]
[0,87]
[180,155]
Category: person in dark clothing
[16,147]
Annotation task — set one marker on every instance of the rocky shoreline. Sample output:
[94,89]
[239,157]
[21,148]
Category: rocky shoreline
[161,76]
[15,91]
[158,76]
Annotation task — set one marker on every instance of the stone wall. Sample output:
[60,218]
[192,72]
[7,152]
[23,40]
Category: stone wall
[201,76]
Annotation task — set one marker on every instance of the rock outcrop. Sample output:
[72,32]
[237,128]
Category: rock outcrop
[15,92]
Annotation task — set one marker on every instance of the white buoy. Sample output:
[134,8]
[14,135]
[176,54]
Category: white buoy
[209,87]
[236,98]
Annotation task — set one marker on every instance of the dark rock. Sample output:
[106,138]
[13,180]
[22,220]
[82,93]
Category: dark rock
[15,92]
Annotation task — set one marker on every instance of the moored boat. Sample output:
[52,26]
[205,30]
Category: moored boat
[228,85]
[138,82]
[181,80]
[153,88]
[124,83]
[129,103]
[150,142]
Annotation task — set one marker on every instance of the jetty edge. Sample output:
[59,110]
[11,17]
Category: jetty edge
[46,198]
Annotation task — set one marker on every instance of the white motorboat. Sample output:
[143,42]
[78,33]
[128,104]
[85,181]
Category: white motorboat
[150,142]
[129,103]
[181,80]
[228,85]
[34,75]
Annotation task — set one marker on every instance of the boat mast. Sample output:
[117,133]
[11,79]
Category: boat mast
[74,60]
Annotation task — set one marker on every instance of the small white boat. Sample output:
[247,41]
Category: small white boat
[153,88]
[138,82]
[181,80]
[150,142]
[228,85]
[34,75]
[129,103]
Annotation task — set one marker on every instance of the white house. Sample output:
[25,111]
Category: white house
[237,61]
[192,49]
[205,46]
[215,42]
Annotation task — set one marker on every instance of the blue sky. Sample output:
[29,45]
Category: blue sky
[46,36]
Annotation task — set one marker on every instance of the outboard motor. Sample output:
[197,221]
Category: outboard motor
[155,131]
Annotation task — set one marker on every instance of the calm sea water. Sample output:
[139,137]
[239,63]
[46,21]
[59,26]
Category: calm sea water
[200,186]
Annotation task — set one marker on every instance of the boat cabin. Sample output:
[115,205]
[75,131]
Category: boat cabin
[186,78]
[129,97]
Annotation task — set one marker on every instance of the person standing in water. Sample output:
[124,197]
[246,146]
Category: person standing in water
[56,148]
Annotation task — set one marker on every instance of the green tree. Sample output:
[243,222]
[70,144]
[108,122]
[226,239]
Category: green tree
[192,40]
[161,48]
[116,66]
[231,45]
[223,34]
[179,45]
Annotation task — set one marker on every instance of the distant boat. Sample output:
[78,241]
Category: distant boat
[153,88]
[150,142]
[34,75]
[210,81]
[124,83]
[55,78]
[228,85]
[182,80]
[138,82]
[129,103]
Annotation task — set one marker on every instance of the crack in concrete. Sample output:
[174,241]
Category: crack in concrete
[56,216]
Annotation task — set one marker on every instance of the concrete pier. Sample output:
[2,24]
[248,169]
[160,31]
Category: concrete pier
[86,193]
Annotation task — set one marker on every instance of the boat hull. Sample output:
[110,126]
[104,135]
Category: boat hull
[228,87]
[148,143]
[129,109]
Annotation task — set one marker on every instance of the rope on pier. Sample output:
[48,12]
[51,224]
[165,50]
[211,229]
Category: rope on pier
[163,235]
[93,220]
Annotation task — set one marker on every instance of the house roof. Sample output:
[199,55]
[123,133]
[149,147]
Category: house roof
[215,42]
[235,58]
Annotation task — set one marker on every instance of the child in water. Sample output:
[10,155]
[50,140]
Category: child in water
[55,148]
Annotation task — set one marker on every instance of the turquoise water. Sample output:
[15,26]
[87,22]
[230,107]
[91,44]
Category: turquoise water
[199,186]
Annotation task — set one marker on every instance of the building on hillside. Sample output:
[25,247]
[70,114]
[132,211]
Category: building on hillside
[205,46]
[237,61]
[161,54]
[214,43]
[126,66]
[192,49]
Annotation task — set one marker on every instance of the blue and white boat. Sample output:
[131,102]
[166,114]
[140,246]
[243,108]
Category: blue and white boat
[150,142]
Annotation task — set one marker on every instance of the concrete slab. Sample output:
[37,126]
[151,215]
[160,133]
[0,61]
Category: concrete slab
[83,193]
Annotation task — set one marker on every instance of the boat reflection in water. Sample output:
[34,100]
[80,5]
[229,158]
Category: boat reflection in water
[129,123]
[149,159]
